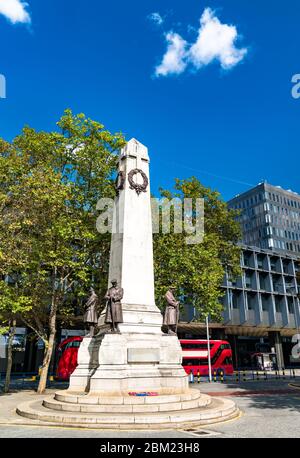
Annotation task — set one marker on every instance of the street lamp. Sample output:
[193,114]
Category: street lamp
[291,289]
[294,291]
[208,349]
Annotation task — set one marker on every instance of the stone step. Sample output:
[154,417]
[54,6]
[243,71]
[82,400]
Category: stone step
[54,404]
[218,410]
[79,398]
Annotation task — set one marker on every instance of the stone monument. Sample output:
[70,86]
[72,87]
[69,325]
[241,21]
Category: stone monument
[132,378]
[140,357]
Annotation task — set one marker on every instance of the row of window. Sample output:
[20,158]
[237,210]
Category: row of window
[284,211]
[260,216]
[273,243]
[266,305]
[272,263]
[251,223]
[283,222]
[249,202]
[204,362]
[285,234]
[265,282]
[269,230]
[283,200]
[257,198]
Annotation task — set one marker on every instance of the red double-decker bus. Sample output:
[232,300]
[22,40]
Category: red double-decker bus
[195,356]
[67,357]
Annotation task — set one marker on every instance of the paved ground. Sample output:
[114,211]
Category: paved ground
[274,412]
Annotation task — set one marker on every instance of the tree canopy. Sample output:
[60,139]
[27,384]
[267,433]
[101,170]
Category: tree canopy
[197,270]
[50,250]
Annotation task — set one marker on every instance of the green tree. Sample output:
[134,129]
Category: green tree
[197,270]
[11,304]
[12,301]
[48,204]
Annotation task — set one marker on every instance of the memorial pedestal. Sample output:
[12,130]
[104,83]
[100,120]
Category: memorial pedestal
[139,362]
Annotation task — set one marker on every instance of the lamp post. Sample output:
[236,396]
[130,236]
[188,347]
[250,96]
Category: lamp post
[208,350]
[293,291]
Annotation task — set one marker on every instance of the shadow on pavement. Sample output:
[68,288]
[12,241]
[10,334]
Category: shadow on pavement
[271,394]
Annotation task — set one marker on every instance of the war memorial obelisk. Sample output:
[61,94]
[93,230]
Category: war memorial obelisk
[114,367]
[141,357]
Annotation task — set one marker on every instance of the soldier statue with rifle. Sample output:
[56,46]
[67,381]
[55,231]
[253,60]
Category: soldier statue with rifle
[90,316]
[171,314]
[114,313]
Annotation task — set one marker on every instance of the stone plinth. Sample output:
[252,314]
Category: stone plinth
[87,359]
[130,362]
[139,319]
[126,412]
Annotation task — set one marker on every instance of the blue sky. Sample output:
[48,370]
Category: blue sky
[222,112]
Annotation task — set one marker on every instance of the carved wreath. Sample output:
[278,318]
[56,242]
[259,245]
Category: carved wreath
[138,187]
[120,181]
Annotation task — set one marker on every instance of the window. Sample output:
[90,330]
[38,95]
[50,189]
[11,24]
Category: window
[196,346]
[194,362]
[291,307]
[278,307]
[235,301]
[251,302]
[247,280]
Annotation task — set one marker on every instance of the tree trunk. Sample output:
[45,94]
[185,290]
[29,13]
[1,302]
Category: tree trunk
[57,341]
[46,363]
[12,332]
[49,346]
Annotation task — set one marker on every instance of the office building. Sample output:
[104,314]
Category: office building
[269,218]
[261,307]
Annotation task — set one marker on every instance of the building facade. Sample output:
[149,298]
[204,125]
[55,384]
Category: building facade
[265,298]
[269,218]
[260,307]
[266,293]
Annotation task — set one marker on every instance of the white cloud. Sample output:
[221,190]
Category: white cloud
[156,18]
[215,42]
[15,11]
[174,59]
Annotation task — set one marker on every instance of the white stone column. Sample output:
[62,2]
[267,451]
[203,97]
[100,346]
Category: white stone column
[131,255]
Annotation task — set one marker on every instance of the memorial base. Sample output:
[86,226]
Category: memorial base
[122,363]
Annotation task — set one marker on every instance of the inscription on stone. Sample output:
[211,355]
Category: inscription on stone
[143,355]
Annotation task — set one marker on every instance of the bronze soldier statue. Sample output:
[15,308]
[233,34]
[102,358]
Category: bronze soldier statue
[171,312]
[90,317]
[114,313]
